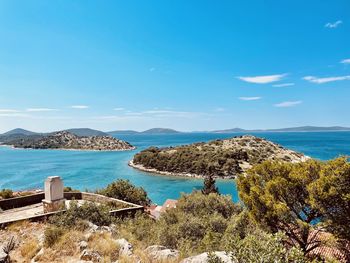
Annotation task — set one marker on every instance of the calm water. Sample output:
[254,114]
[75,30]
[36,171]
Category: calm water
[27,169]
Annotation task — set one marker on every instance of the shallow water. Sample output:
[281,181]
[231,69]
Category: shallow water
[27,169]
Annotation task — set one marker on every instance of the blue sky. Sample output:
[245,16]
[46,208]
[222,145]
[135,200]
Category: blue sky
[188,65]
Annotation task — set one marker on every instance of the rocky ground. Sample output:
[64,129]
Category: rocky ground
[67,140]
[95,244]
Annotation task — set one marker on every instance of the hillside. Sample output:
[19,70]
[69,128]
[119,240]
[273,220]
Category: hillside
[19,131]
[219,158]
[67,140]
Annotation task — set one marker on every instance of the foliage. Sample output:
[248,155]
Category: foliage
[70,189]
[330,194]
[219,158]
[202,159]
[75,214]
[262,247]
[197,224]
[299,198]
[124,190]
[209,186]
[277,196]
[6,193]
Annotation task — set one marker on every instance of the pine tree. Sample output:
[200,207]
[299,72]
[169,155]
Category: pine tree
[209,186]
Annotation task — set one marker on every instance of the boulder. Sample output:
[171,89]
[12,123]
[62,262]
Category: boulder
[204,258]
[4,258]
[126,248]
[161,253]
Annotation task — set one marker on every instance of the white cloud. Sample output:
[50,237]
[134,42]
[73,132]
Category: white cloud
[118,109]
[325,80]
[8,111]
[334,24]
[263,79]
[40,109]
[283,85]
[80,107]
[345,61]
[286,104]
[249,98]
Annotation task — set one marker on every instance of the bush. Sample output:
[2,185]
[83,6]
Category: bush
[124,190]
[73,217]
[6,193]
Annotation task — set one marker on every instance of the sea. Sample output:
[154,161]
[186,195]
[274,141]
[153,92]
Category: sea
[22,169]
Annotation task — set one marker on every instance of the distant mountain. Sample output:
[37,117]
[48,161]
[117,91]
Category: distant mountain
[123,132]
[310,129]
[19,131]
[160,131]
[292,129]
[86,132]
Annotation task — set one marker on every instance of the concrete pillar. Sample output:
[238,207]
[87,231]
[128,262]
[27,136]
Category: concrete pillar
[54,199]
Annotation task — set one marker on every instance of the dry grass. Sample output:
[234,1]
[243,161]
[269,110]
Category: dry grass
[105,246]
[29,249]
[19,226]
[68,243]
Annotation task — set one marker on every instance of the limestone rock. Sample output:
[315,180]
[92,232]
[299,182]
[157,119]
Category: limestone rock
[3,256]
[203,258]
[126,248]
[161,253]
[92,227]
[83,245]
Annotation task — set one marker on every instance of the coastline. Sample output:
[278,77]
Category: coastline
[140,167]
[68,149]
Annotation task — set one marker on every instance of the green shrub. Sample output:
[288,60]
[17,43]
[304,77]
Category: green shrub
[73,217]
[124,190]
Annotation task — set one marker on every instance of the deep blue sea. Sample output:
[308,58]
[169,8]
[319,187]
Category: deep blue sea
[27,169]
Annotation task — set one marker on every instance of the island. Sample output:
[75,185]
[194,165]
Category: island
[68,140]
[219,158]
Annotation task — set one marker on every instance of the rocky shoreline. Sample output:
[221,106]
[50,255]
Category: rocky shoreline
[155,171]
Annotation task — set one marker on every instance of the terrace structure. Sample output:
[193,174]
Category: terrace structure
[53,200]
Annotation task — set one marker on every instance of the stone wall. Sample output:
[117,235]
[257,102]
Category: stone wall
[21,201]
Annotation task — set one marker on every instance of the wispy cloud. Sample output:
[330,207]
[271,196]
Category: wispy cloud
[283,85]
[249,98]
[325,80]
[80,107]
[345,61]
[286,104]
[263,79]
[8,111]
[152,69]
[40,109]
[333,24]
[118,109]
[14,114]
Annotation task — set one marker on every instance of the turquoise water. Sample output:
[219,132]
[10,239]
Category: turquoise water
[27,169]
